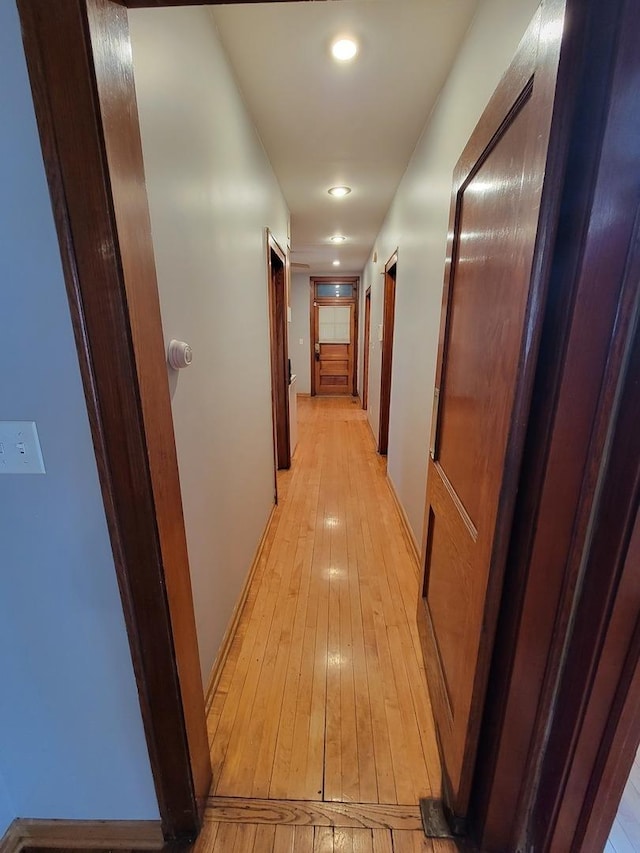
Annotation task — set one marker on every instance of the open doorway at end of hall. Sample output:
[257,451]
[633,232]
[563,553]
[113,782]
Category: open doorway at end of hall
[334,335]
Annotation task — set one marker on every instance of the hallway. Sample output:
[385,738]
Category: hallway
[323,695]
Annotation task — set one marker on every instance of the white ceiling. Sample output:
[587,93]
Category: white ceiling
[323,123]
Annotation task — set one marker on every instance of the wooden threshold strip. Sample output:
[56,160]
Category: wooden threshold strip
[312,813]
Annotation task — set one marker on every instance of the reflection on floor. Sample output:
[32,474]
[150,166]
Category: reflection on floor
[323,697]
[625,832]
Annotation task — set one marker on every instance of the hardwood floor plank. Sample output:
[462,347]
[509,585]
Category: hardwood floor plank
[323,840]
[412,842]
[381,840]
[245,838]
[265,839]
[362,841]
[312,813]
[323,693]
[303,841]
[285,839]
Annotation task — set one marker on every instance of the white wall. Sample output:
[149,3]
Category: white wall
[71,737]
[212,193]
[299,329]
[417,225]
[7,809]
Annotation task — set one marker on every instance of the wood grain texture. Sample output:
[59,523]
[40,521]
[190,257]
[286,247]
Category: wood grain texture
[490,330]
[278,339]
[573,401]
[310,813]
[11,841]
[82,80]
[83,835]
[366,349]
[262,838]
[323,694]
[388,325]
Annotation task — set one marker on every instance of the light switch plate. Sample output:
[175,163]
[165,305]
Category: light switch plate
[20,451]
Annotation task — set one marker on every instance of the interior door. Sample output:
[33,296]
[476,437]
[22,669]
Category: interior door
[334,337]
[388,325]
[366,348]
[490,326]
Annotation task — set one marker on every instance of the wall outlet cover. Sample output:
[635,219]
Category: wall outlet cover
[20,451]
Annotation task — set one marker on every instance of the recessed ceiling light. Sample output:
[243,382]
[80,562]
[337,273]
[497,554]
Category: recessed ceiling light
[339,192]
[338,238]
[336,263]
[344,49]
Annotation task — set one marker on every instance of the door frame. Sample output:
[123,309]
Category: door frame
[333,279]
[365,351]
[75,46]
[388,326]
[279,354]
[531,764]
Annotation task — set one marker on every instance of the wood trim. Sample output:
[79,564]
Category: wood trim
[366,354]
[230,633]
[26,834]
[388,327]
[602,654]
[279,354]
[333,279]
[567,433]
[313,813]
[11,841]
[408,532]
[84,96]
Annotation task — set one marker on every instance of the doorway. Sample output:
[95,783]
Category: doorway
[367,347]
[388,322]
[113,314]
[334,336]
[277,282]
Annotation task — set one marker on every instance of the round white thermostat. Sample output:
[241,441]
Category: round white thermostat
[179,354]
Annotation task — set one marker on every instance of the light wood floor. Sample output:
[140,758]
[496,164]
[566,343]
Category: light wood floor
[323,696]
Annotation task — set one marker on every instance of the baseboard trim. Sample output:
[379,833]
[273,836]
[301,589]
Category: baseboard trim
[406,527]
[230,633]
[131,835]
[11,841]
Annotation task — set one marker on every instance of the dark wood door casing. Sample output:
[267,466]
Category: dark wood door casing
[386,366]
[491,325]
[278,335]
[86,109]
[366,348]
[594,176]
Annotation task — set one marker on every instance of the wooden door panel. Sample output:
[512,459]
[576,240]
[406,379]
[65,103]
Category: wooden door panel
[334,364]
[488,296]
[490,326]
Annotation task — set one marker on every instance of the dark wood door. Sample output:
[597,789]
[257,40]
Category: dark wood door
[334,348]
[489,333]
[388,325]
[334,336]
[276,264]
[367,345]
